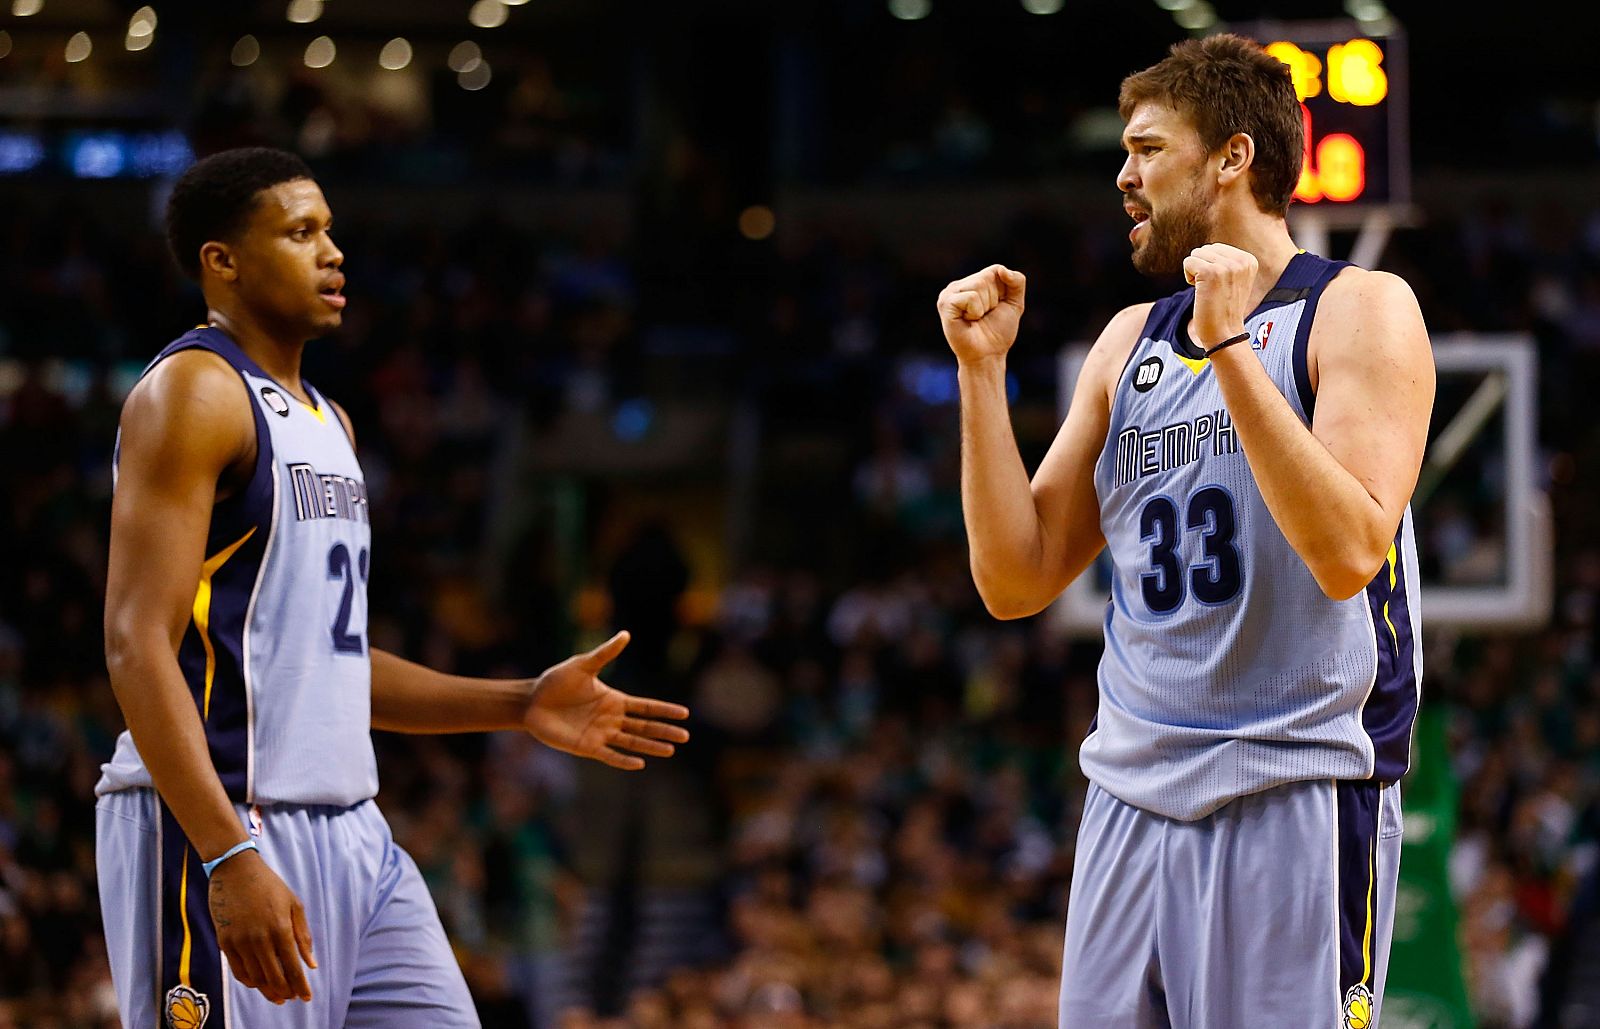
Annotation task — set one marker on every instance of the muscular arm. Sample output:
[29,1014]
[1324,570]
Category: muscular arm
[1029,540]
[1338,491]
[182,427]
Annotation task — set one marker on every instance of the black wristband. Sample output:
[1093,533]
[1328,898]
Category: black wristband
[1230,341]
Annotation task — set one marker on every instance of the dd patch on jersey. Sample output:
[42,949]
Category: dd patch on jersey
[274,399]
[1147,374]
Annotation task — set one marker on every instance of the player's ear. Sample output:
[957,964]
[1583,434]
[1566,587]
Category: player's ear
[1233,158]
[217,258]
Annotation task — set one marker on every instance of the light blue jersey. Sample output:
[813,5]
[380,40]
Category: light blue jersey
[1227,671]
[275,656]
[275,653]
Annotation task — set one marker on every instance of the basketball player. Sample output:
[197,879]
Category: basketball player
[1247,449]
[238,843]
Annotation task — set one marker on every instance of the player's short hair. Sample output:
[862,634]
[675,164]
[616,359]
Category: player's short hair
[212,200]
[1226,84]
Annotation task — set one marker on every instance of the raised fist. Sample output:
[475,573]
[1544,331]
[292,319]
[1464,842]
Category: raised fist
[981,313]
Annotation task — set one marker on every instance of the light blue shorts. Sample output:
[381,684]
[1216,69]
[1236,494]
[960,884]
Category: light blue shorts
[1275,910]
[382,956]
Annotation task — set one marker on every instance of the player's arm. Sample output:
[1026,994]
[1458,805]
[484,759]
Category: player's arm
[566,707]
[182,428]
[1027,540]
[1338,491]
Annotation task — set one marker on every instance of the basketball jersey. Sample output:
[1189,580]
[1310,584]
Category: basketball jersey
[1227,670]
[275,652]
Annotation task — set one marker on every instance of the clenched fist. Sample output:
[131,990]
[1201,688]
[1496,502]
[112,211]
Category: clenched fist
[981,313]
[1222,277]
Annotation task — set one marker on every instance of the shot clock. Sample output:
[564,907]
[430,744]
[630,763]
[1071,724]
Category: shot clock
[1352,90]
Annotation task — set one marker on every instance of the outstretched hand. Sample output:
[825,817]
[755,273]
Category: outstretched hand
[572,710]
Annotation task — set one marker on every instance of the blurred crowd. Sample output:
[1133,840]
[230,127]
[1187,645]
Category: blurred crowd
[874,825]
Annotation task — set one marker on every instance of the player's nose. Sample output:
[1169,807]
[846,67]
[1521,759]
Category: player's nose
[332,256]
[1127,178]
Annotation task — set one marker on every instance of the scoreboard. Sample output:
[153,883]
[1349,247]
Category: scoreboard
[1352,90]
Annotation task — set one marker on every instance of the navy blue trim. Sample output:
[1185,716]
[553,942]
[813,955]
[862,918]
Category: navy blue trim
[251,506]
[1391,708]
[1355,884]
[1301,278]
[227,726]
[1325,272]
[206,977]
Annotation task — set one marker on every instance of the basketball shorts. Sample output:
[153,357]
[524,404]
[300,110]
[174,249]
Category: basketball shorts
[382,956]
[1274,910]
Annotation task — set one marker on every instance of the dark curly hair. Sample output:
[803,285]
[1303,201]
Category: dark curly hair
[1227,84]
[214,197]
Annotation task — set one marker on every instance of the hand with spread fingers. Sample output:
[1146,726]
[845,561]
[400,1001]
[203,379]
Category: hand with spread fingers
[1222,277]
[982,312]
[572,710]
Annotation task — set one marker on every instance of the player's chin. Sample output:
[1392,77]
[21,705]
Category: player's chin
[326,321]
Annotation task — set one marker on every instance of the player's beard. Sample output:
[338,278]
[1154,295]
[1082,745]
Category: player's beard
[1182,225]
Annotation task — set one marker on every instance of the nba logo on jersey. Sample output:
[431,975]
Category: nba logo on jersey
[1263,332]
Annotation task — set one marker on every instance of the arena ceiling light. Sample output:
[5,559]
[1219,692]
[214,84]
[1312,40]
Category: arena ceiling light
[143,22]
[487,14]
[5,44]
[464,57]
[911,10]
[26,8]
[1197,16]
[304,12]
[396,54]
[1042,6]
[136,43]
[245,52]
[79,48]
[476,77]
[320,52]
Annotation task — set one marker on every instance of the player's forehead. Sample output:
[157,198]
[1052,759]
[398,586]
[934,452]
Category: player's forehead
[293,201]
[1154,121]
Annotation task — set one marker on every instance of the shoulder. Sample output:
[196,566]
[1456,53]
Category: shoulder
[190,383]
[1358,292]
[1369,322]
[1116,342]
[194,399]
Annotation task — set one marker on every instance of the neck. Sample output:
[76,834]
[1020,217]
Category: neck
[1265,237]
[277,357]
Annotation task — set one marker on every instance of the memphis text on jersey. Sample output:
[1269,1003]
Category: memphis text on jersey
[1172,446]
[317,495]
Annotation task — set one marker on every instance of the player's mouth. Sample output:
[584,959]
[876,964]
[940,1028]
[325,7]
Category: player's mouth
[331,295]
[1140,217]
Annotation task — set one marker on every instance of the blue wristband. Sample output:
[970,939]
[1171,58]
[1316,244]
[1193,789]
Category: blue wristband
[236,849]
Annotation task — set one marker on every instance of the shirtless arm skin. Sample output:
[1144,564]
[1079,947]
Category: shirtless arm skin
[1027,540]
[183,427]
[1339,490]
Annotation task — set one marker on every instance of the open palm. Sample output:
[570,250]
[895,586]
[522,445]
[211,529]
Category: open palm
[572,710]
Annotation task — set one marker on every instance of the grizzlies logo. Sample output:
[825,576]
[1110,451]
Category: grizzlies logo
[187,1008]
[274,399]
[1357,1007]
